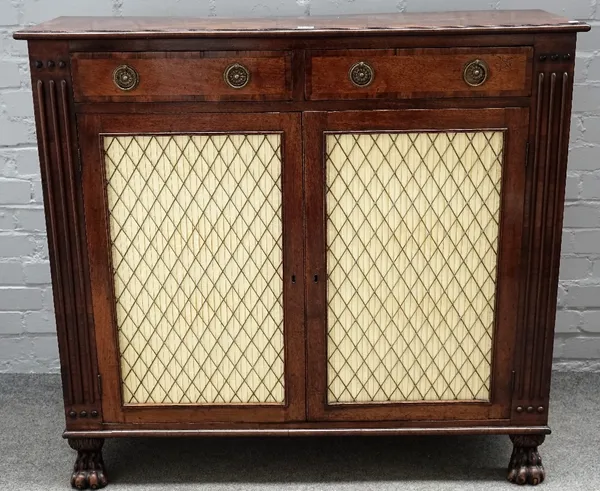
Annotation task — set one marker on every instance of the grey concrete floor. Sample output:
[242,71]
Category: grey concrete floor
[33,455]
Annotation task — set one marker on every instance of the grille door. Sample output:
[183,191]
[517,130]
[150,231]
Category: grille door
[411,261]
[412,247]
[197,258]
[204,313]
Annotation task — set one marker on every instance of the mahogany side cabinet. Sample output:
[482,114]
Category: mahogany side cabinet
[304,226]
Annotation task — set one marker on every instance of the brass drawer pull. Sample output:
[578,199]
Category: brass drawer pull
[237,76]
[476,73]
[361,74]
[126,77]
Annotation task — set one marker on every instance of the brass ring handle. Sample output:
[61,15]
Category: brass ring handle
[236,76]
[361,74]
[126,77]
[476,73]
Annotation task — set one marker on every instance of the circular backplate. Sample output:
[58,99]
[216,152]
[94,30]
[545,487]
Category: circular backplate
[126,77]
[237,76]
[476,73]
[361,74]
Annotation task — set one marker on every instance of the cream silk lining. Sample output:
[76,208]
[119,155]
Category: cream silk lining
[412,246]
[196,232]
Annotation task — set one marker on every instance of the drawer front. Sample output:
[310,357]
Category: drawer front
[162,76]
[413,73]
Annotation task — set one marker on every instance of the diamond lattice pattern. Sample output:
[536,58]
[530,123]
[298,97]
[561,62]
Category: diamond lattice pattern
[196,231]
[412,247]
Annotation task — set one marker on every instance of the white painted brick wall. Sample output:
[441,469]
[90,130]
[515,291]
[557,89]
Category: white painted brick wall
[27,330]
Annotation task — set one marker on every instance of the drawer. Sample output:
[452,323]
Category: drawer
[163,76]
[413,73]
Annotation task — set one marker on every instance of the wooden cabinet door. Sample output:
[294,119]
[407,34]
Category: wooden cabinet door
[413,242]
[194,226]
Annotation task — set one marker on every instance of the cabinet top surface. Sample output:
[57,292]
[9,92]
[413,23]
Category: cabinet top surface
[475,22]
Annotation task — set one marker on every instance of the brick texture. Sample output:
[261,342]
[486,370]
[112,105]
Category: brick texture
[27,327]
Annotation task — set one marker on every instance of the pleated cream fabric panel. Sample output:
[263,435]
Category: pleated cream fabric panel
[196,232]
[412,246]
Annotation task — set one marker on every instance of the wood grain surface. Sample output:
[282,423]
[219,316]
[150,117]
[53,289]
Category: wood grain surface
[168,76]
[502,21]
[409,73]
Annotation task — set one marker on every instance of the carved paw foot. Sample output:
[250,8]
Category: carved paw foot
[89,466]
[525,463]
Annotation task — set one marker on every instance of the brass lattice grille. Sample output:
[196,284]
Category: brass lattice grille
[412,247]
[196,233]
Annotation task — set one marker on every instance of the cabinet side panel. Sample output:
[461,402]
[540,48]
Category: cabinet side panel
[57,139]
[551,108]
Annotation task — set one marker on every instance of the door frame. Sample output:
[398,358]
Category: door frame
[316,125]
[91,128]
